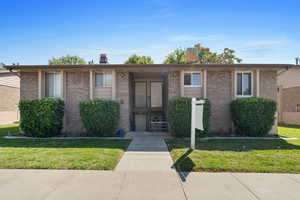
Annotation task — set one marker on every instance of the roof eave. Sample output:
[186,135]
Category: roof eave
[108,66]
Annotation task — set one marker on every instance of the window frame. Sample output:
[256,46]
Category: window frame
[59,84]
[193,72]
[104,81]
[236,82]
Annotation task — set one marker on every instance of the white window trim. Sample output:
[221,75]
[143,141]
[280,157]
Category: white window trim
[104,73]
[60,83]
[193,72]
[235,80]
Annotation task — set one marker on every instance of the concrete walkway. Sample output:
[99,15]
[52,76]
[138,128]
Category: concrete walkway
[146,152]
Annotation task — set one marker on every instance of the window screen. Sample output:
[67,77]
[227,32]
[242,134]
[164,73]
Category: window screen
[244,84]
[192,79]
[52,85]
[103,80]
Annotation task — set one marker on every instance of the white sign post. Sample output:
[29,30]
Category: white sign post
[196,119]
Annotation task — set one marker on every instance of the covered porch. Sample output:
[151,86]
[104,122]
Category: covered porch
[148,101]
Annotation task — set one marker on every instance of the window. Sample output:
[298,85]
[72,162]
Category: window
[244,84]
[298,108]
[52,85]
[192,79]
[103,80]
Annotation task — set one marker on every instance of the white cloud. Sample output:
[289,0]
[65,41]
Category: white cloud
[189,38]
[115,52]
[268,43]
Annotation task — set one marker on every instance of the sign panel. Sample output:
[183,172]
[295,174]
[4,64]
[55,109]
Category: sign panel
[196,119]
[199,117]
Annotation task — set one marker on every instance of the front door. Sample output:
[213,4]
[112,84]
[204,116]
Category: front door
[147,103]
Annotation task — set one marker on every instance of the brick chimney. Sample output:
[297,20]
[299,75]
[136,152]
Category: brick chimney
[192,55]
[103,59]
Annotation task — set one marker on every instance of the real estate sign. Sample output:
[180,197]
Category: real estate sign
[196,119]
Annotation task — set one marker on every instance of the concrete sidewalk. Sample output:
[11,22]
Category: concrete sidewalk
[123,185]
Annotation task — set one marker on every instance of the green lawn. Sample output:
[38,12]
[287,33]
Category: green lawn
[8,129]
[96,154]
[278,156]
[289,131]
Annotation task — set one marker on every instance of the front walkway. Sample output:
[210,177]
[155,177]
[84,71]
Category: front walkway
[146,152]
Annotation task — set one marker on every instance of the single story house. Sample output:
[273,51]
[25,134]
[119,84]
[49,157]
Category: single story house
[143,90]
[289,97]
[9,97]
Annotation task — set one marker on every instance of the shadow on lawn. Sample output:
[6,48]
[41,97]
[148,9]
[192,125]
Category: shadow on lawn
[183,171]
[237,145]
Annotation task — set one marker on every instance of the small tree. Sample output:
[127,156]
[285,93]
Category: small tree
[67,60]
[176,57]
[136,59]
[1,65]
[205,56]
[208,57]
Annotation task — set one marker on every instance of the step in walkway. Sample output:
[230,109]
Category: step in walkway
[146,152]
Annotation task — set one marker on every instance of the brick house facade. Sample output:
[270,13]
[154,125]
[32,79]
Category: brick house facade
[219,84]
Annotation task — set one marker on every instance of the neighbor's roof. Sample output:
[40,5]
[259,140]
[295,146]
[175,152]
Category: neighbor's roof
[107,66]
[9,79]
[4,71]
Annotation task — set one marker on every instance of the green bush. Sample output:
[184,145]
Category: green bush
[253,116]
[179,117]
[41,117]
[100,116]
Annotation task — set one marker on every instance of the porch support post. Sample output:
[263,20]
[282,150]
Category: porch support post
[91,84]
[62,84]
[181,83]
[40,84]
[204,84]
[113,88]
[234,83]
[257,82]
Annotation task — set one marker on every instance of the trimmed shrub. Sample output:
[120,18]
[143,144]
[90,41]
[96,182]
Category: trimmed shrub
[41,117]
[100,116]
[253,116]
[179,117]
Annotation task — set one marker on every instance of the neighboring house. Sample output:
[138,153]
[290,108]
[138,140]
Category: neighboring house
[143,90]
[9,97]
[289,96]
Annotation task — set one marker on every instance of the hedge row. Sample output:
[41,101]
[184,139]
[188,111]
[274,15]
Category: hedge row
[41,117]
[44,117]
[253,116]
[100,116]
[179,117]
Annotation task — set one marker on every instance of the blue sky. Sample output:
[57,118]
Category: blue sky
[33,31]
